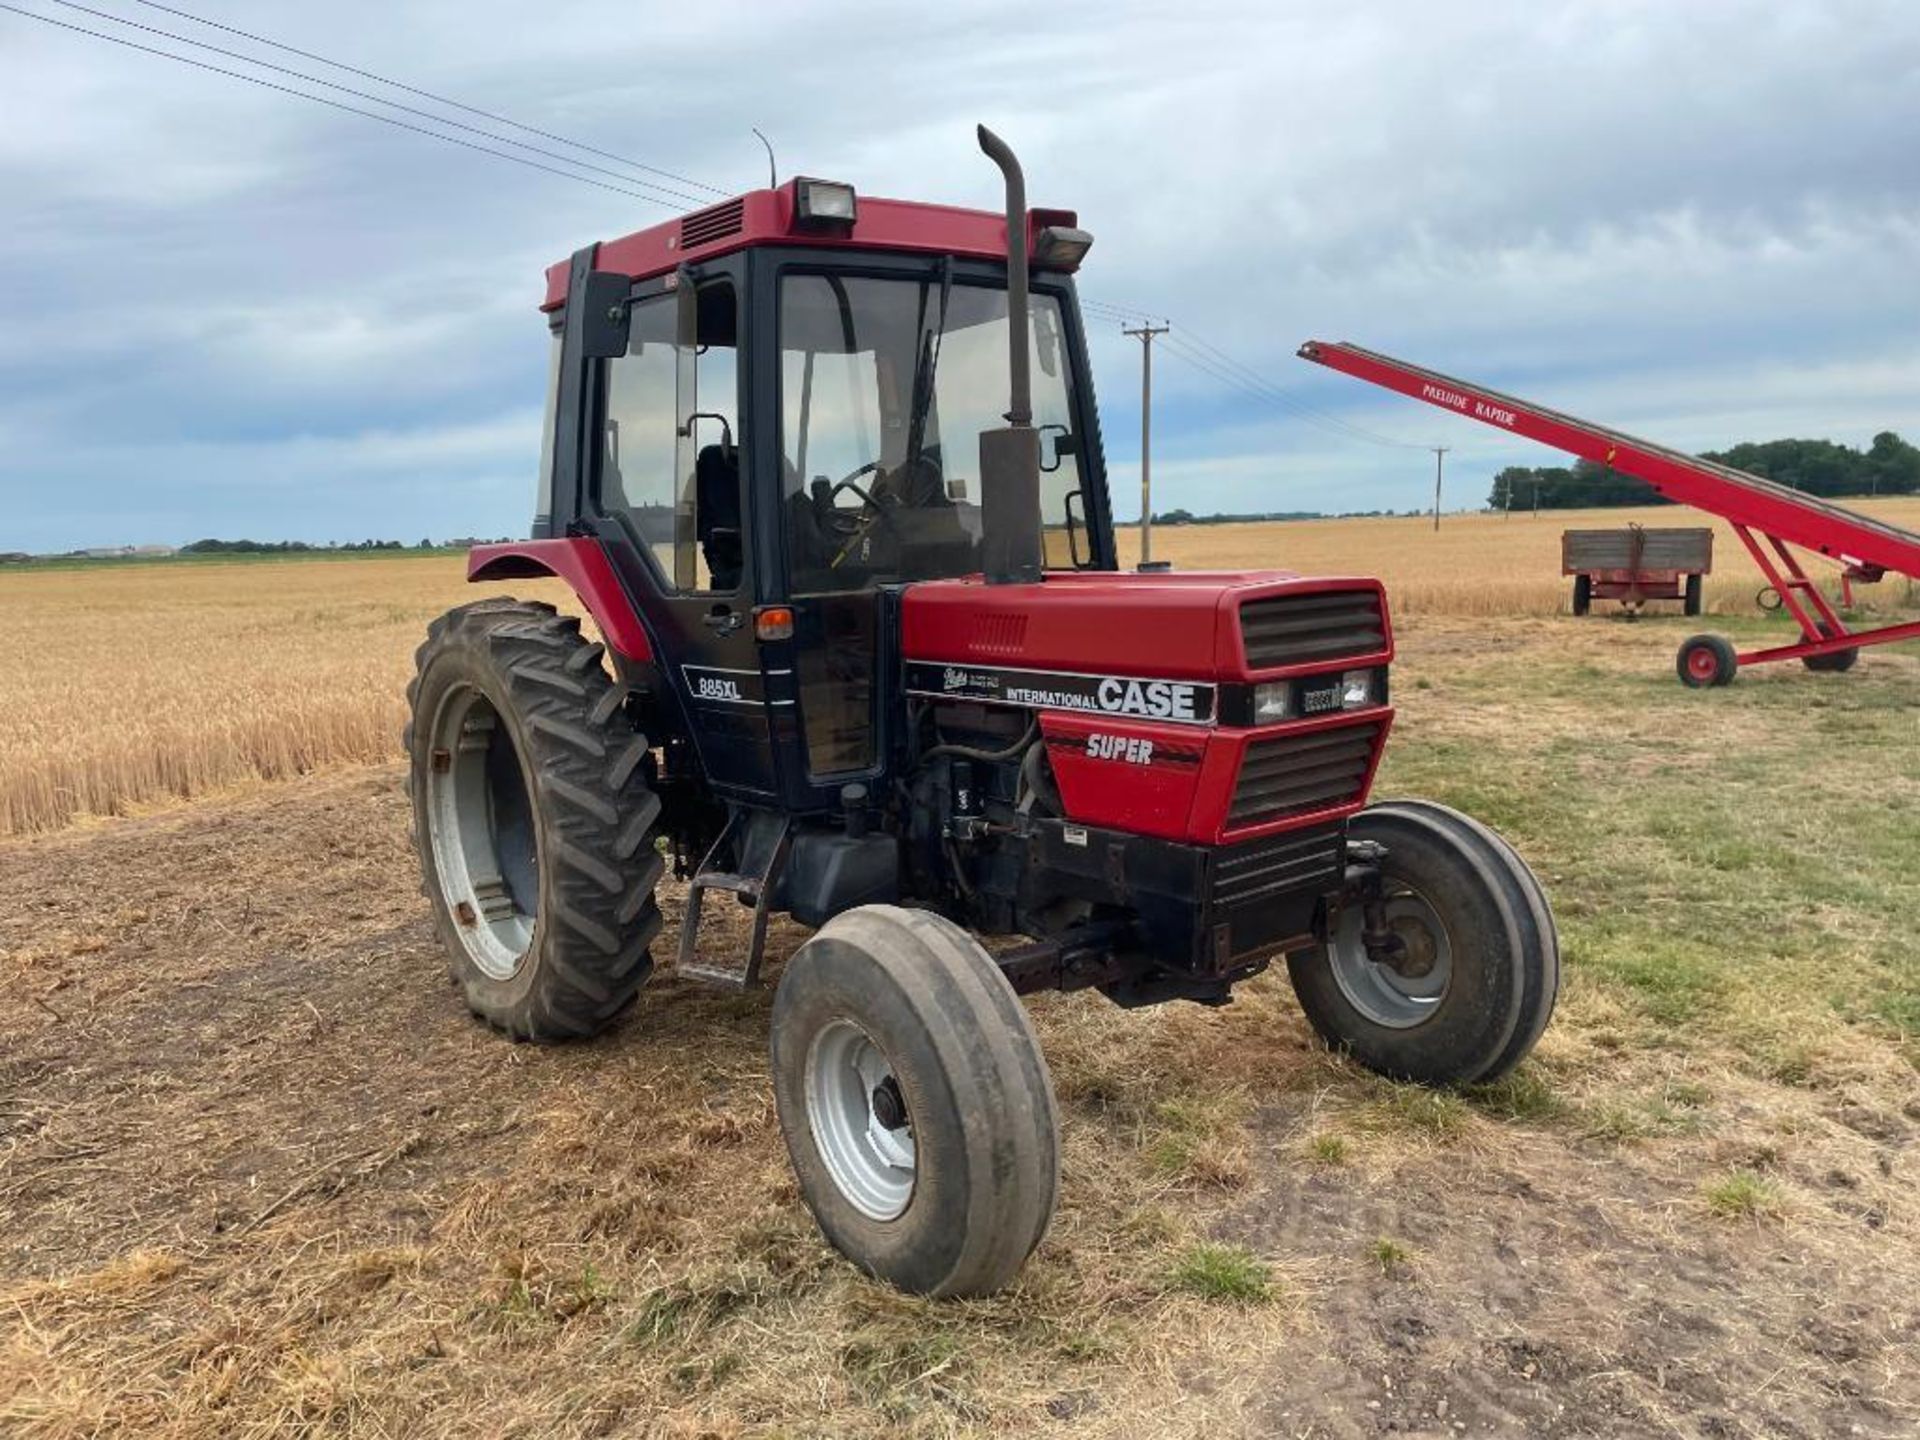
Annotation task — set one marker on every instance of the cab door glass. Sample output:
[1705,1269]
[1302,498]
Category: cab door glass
[670,460]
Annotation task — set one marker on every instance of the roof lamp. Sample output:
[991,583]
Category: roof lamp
[823,203]
[1061,247]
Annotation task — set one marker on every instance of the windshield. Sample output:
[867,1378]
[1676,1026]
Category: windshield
[885,388]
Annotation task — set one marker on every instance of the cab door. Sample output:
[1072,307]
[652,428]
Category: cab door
[668,498]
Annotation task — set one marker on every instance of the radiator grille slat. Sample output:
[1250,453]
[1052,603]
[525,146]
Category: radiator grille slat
[1290,774]
[1246,874]
[1293,629]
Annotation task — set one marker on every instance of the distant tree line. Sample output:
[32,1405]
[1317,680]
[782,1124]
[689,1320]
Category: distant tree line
[301,547]
[1187,517]
[1889,466]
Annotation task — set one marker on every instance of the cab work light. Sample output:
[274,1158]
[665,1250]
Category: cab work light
[1061,247]
[824,203]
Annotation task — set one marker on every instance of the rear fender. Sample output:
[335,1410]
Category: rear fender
[583,564]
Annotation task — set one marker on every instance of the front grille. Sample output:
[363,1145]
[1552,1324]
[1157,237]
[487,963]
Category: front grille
[712,224]
[1292,774]
[1296,629]
[1280,865]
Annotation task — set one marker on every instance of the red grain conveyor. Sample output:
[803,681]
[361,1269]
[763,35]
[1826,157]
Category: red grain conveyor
[1768,517]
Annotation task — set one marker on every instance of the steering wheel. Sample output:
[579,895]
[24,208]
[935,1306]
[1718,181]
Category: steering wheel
[873,512]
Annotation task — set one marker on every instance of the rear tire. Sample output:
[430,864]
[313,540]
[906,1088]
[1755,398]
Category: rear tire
[533,819]
[1838,662]
[1469,908]
[1582,594]
[915,1102]
[1706,661]
[1835,663]
[1692,604]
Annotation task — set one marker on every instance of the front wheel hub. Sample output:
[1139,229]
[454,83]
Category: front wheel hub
[859,1120]
[1407,989]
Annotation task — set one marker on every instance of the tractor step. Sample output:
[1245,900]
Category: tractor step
[756,841]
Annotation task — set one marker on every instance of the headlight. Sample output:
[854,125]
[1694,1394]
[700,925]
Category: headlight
[1356,689]
[1272,701]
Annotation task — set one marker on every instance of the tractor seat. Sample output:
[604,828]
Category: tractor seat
[716,484]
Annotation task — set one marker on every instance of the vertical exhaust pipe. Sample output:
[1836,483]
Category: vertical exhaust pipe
[1010,457]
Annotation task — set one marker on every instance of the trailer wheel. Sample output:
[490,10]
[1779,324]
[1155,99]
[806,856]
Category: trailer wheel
[915,1102]
[1706,660]
[533,820]
[1481,969]
[1695,585]
[1582,594]
[1837,662]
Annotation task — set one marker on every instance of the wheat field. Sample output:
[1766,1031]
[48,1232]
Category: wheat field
[136,685]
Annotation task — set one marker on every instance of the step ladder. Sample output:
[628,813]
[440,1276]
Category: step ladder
[746,861]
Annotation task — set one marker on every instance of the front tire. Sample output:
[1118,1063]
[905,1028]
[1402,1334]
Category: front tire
[1483,957]
[915,1102]
[533,820]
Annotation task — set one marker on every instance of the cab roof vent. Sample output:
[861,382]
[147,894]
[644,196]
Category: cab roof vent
[715,223]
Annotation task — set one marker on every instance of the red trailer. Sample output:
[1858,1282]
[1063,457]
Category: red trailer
[1768,517]
[1634,564]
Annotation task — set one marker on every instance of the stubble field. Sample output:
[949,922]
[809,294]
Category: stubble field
[128,685]
[260,1173]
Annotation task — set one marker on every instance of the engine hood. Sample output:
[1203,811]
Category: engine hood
[1155,625]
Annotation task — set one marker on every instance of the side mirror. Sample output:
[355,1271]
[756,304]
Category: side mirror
[603,315]
[1055,441]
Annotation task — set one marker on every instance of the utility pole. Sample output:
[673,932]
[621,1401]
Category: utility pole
[1439,461]
[1146,334]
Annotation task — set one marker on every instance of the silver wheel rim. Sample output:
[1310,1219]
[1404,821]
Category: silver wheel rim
[871,1163]
[480,827]
[1382,994]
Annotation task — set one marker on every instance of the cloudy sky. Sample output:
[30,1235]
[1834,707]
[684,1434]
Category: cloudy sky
[225,311]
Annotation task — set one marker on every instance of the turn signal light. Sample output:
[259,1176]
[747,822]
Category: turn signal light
[773,622]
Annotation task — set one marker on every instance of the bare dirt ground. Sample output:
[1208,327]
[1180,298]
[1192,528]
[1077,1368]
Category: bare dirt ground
[260,1173]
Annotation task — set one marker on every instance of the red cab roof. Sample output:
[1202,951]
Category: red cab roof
[766,217]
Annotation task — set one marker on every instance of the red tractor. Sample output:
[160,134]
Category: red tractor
[826,472]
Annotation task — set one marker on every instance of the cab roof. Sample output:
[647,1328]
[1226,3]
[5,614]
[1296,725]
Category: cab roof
[769,217]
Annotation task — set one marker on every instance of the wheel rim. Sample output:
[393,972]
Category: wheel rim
[851,1096]
[480,825]
[1702,663]
[1386,996]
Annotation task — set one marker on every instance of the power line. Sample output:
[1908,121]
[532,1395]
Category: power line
[339,105]
[677,195]
[1202,354]
[429,95]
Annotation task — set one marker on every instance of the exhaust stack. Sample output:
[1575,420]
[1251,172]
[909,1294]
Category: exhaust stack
[1010,457]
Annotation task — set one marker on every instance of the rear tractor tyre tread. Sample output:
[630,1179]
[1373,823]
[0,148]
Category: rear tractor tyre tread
[597,914]
[1504,954]
[978,1097]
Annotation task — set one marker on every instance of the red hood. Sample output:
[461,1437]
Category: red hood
[1173,625]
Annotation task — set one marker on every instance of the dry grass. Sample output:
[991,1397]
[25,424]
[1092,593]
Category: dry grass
[136,684]
[260,1175]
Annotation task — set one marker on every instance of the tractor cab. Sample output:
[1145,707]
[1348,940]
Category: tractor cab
[770,414]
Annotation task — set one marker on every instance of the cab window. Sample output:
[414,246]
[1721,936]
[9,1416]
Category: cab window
[670,452]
